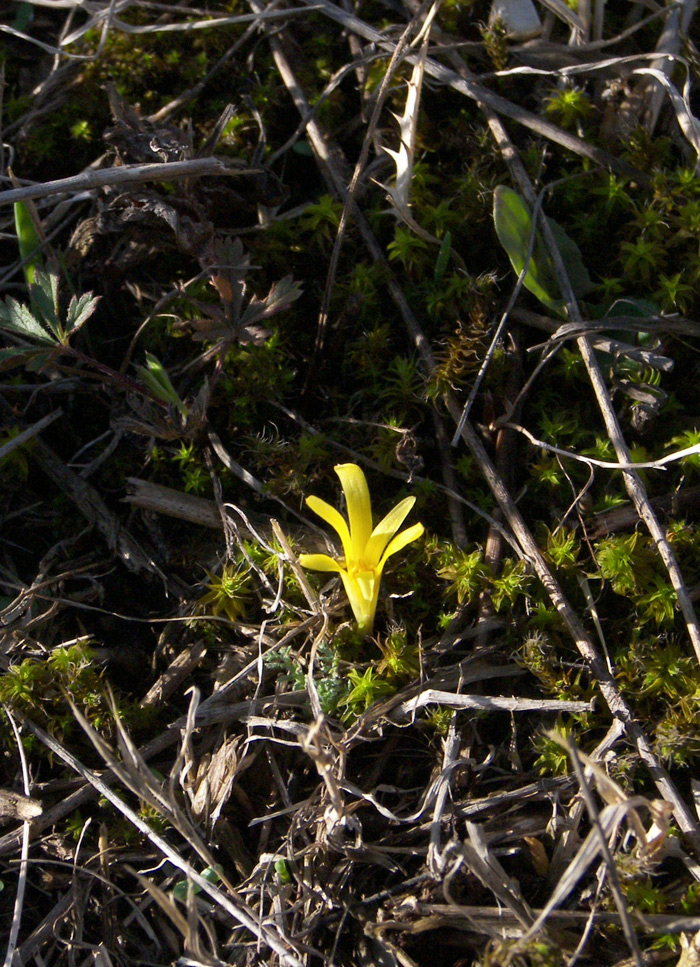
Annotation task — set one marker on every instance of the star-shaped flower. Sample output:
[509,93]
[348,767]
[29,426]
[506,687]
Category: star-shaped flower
[366,550]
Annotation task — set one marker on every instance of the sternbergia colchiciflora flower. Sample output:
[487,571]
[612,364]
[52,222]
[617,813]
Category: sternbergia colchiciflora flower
[366,549]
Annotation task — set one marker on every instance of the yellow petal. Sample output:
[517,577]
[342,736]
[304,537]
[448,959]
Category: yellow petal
[362,595]
[385,530]
[400,541]
[359,507]
[320,562]
[334,518]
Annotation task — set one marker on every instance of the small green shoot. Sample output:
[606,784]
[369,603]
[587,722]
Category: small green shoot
[183,887]
[156,378]
[227,592]
[367,687]
[28,240]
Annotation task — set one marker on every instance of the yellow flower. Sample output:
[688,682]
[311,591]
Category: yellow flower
[366,549]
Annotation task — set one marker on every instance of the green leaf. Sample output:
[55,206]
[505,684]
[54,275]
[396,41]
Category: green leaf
[18,318]
[79,311]
[156,378]
[280,297]
[443,256]
[513,223]
[44,299]
[33,359]
[28,240]
[571,254]
[211,875]
[282,871]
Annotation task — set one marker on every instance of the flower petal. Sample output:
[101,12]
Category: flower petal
[362,595]
[400,541]
[320,562]
[332,517]
[359,507]
[385,530]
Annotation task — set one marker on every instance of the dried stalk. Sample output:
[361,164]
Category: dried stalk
[333,168]
[125,175]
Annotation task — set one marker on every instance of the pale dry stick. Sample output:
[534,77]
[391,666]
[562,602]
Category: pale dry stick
[667,49]
[332,161]
[435,696]
[349,199]
[584,643]
[659,464]
[633,482]
[452,746]
[611,869]
[475,91]
[232,905]
[191,25]
[573,70]
[335,171]
[126,175]
[29,433]
[24,856]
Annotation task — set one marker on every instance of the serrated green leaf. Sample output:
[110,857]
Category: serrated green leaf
[79,311]
[44,299]
[18,318]
[12,358]
[280,296]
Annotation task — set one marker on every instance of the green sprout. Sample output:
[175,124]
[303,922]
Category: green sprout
[400,659]
[28,241]
[367,687]
[156,378]
[227,593]
[568,107]
[466,572]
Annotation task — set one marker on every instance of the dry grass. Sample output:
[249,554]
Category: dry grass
[203,764]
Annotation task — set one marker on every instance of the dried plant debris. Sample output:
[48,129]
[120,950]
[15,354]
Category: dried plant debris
[243,247]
